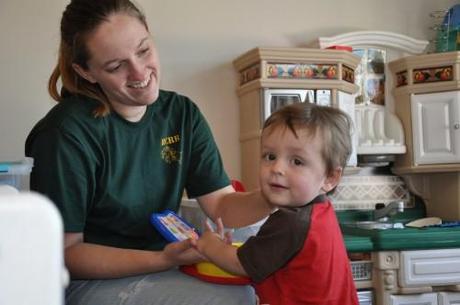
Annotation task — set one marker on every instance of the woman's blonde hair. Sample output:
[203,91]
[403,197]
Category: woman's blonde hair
[79,19]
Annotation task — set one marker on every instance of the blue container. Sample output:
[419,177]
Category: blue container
[16,173]
[448,33]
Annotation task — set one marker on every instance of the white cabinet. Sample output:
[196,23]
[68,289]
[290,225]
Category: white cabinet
[429,268]
[427,100]
[436,127]
[441,298]
[449,298]
[418,277]
[416,299]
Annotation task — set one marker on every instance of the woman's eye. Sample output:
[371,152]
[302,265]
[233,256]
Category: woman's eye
[144,51]
[114,68]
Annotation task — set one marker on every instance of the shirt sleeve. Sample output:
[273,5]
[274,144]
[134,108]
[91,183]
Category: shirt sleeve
[280,238]
[65,173]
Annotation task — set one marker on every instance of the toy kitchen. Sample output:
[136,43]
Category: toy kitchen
[399,200]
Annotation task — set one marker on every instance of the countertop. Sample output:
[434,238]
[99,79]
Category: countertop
[365,240]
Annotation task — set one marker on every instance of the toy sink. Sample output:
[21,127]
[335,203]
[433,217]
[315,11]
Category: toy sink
[375,225]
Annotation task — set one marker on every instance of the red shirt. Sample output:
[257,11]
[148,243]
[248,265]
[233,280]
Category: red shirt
[299,257]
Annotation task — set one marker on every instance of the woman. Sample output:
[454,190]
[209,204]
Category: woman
[115,149]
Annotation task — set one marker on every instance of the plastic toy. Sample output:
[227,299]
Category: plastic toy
[172,226]
[209,272]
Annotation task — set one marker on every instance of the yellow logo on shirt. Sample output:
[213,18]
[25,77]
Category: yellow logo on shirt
[170,140]
[168,153]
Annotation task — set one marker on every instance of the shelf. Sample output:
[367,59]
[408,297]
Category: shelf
[426,169]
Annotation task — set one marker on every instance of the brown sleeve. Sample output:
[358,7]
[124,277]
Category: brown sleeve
[280,238]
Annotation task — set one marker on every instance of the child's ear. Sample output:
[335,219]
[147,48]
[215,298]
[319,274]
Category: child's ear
[332,180]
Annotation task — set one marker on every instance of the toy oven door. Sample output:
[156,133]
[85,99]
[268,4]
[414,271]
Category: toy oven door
[274,99]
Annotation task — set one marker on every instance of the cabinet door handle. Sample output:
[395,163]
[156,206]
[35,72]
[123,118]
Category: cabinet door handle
[456,126]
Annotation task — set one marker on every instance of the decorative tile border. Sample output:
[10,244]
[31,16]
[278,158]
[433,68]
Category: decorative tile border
[249,74]
[363,192]
[348,74]
[401,78]
[302,71]
[428,75]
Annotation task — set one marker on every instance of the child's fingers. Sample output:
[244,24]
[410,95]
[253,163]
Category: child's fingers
[228,237]
[220,227]
[208,226]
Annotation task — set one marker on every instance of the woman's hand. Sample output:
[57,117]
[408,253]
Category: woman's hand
[182,253]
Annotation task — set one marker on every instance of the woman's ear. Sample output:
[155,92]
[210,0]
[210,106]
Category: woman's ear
[332,180]
[83,73]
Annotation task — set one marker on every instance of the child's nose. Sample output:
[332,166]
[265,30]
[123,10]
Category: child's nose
[278,167]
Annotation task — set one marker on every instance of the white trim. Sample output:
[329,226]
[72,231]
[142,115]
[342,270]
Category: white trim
[376,39]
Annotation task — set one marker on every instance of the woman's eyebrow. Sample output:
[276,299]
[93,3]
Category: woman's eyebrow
[107,63]
[142,42]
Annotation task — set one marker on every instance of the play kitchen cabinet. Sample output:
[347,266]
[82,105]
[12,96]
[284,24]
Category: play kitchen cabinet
[421,277]
[436,127]
[273,77]
[427,100]
[410,266]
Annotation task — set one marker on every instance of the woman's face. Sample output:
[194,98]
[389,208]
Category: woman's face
[124,62]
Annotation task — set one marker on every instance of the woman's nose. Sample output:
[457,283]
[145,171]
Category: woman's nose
[136,71]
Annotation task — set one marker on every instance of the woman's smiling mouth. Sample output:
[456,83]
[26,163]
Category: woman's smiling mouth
[142,84]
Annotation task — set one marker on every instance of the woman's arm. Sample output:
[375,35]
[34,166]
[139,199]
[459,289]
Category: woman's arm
[91,261]
[237,209]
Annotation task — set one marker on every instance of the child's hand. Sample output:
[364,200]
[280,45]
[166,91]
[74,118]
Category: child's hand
[212,237]
[226,236]
[216,246]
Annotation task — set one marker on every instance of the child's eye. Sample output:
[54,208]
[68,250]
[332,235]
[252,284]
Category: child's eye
[269,157]
[297,162]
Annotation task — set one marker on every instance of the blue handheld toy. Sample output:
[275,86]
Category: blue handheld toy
[172,226]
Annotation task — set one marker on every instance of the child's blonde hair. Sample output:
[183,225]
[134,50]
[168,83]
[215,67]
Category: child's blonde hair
[333,124]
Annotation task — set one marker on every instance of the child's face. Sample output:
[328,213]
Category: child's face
[292,171]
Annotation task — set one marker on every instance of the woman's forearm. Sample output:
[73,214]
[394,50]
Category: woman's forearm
[91,261]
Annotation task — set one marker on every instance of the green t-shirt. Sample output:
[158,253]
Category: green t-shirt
[108,175]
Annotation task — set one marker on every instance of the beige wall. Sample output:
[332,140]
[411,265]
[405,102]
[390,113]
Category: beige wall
[197,41]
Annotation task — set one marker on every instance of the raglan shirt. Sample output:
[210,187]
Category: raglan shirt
[107,175]
[299,257]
